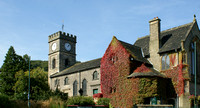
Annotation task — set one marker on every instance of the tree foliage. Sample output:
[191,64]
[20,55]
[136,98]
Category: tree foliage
[11,65]
[39,63]
[38,82]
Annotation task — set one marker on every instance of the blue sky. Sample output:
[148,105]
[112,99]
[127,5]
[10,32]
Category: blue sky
[26,24]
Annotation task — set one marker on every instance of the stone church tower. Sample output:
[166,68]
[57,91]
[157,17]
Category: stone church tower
[62,52]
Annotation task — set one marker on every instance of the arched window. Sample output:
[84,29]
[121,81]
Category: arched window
[66,62]
[53,63]
[95,75]
[84,87]
[75,88]
[66,81]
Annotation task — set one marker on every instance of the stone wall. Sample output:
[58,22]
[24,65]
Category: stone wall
[79,77]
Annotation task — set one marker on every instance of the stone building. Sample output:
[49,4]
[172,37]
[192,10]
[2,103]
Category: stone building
[159,66]
[65,73]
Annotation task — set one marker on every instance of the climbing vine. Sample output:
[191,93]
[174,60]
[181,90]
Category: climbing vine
[177,75]
[115,67]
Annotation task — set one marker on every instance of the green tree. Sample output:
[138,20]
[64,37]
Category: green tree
[11,65]
[39,83]
[39,63]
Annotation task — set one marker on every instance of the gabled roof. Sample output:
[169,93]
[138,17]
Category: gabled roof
[135,51]
[170,39]
[145,71]
[78,67]
[152,73]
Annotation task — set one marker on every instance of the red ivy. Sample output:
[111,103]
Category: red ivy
[142,68]
[98,95]
[176,74]
[115,67]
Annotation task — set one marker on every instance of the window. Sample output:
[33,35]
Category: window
[113,58]
[75,88]
[53,63]
[184,57]
[57,82]
[66,81]
[165,62]
[192,59]
[95,91]
[84,86]
[66,62]
[95,75]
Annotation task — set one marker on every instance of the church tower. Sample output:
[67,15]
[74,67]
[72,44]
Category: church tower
[62,52]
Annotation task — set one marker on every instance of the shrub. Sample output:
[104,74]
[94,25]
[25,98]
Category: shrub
[5,102]
[103,101]
[56,102]
[80,100]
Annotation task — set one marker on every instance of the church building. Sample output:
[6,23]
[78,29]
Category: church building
[65,73]
[157,69]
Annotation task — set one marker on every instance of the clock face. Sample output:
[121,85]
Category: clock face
[67,46]
[53,47]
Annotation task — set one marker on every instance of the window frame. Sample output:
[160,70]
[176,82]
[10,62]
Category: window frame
[96,89]
[95,73]
[164,65]
[66,62]
[66,82]
[75,88]
[53,63]
[84,87]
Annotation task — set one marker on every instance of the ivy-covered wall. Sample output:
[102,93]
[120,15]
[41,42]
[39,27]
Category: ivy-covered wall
[177,73]
[116,66]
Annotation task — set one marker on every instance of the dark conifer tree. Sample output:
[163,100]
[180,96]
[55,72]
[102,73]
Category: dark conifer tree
[11,65]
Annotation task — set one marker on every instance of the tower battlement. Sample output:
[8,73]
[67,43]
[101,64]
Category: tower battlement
[63,35]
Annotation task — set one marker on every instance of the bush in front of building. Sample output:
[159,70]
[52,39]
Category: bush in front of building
[103,101]
[5,102]
[80,100]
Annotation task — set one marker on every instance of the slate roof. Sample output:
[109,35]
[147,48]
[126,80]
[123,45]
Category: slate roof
[79,67]
[151,73]
[170,39]
[135,51]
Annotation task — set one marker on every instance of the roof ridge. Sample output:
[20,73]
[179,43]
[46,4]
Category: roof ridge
[87,61]
[129,44]
[173,28]
[142,37]
[189,30]
[177,27]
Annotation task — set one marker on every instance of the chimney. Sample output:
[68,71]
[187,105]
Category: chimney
[154,42]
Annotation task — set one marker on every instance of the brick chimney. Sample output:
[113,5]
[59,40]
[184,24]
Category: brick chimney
[154,43]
